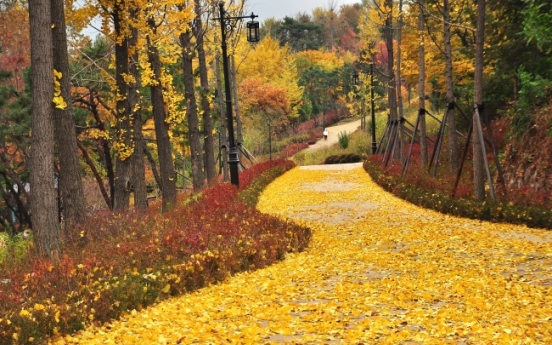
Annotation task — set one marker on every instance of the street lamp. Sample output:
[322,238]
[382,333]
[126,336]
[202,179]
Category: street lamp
[227,24]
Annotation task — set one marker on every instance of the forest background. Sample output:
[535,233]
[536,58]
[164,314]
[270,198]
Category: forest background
[138,111]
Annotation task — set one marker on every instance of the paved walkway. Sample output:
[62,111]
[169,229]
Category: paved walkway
[378,271]
[333,133]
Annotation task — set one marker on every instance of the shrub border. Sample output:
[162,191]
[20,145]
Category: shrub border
[497,212]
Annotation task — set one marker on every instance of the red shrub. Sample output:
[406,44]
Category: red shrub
[128,260]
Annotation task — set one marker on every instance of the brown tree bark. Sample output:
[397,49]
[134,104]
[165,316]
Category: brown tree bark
[96,174]
[47,237]
[400,115]
[138,165]
[208,140]
[121,196]
[235,103]
[70,184]
[451,116]
[421,87]
[191,110]
[391,84]
[478,176]
[166,164]
[223,142]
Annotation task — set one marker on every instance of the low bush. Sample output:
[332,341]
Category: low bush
[293,149]
[343,139]
[130,260]
[436,199]
[345,158]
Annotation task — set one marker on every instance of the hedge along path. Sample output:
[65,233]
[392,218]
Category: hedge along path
[378,271]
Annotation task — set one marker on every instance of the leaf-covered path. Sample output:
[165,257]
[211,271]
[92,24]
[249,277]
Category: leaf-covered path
[378,271]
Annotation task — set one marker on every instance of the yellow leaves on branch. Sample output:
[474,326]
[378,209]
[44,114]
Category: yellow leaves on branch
[58,100]
[123,151]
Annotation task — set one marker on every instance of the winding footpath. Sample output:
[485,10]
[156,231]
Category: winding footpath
[378,271]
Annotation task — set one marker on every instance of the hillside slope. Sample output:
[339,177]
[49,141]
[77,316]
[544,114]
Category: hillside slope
[528,160]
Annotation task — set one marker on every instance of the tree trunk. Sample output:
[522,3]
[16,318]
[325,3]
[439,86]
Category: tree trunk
[421,88]
[478,177]
[70,184]
[223,142]
[208,140]
[234,88]
[104,148]
[399,84]
[47,237]
[121,195]
[96,174]
[138,165]
[451,116]
[191,110]
[391,86]
[166,164]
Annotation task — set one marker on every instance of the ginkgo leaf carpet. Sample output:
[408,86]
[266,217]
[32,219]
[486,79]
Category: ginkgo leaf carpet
[378,271]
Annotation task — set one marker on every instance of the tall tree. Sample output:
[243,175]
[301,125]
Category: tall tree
[421,85]
[478,178]
[451,119]
[70,182]
[138,164]
[208,140]
[166,164]
[223,139]
[43,197]
[122,187]
[399,81]
[191,109]
[299,35]
[392,84]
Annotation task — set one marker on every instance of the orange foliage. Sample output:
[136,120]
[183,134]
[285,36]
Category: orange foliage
[15,43]
[265,98]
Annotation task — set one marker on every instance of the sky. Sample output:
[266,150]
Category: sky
[272,8]
[280,8]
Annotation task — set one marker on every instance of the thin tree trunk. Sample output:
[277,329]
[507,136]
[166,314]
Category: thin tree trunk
[70,184]
[191,110]
[121,197]
[451,117]
[138,165]
[223,144]
[151,160]
[96,174]
[47,237]
[239,129]
[166,164]
[104,149]
[392,85]
[402,138]
[478,177]
[421,88]
[208,141]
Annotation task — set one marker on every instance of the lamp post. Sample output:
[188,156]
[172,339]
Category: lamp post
[226,24]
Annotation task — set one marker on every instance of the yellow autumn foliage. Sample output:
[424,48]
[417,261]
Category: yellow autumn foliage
[378,271]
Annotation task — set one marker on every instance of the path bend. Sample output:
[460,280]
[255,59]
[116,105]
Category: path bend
[378,271]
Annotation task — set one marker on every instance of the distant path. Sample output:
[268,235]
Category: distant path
[378,271]
[333,132]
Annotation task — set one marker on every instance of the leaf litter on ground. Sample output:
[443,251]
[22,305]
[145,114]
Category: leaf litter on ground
[378,270]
